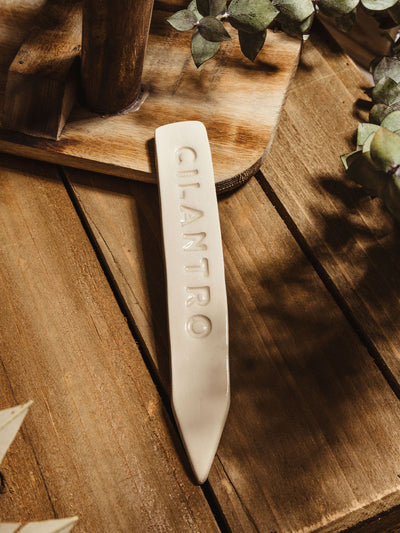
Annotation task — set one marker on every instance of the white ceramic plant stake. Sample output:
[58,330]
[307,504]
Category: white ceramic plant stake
[197,305]
[10,422]
[9,527]
[62,525]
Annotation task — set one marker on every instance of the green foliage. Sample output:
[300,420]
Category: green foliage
[252,19]
[202,50]
[183,20]
[213,30]
[375,165]
[251,16]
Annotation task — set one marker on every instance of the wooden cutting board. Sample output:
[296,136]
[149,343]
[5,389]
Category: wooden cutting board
[239,103]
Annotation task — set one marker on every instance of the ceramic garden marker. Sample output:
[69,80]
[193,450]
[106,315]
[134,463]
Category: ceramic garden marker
[197,304]
[62,525]
[10,422]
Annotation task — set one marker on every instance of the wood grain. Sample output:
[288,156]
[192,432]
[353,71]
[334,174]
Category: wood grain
[100,434]
[351,236]
[365,41]
[114,39]
[312,438]
[43,77]
[218,94]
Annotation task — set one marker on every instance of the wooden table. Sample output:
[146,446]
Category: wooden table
[312,441]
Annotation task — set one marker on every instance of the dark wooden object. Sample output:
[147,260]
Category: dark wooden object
[114,39]
[42,79]
[122,145]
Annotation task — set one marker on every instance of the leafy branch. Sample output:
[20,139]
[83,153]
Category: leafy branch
[375,164]
[252,18]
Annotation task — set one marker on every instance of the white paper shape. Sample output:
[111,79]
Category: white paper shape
[62,525]
[9,527]
[10,422]
[197,303]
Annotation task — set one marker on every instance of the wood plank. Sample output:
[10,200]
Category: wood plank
[217,94]
[19,468]
[351,236]
[42,79]
[100,433]
[312,438]
[365,40]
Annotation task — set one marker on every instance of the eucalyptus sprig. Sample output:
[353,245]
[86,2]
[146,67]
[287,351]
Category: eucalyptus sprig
[375,164]
[252,19]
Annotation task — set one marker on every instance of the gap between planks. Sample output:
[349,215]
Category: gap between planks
[328,282]
[161,389]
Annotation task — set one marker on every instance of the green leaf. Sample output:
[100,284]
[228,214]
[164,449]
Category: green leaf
[378,5]
[251,43]
[193,7]
[183,20]
[211,7]
[251,15]
[386,91]
[386,67]
[391,195]
[295,28]
[392,121]
[367,144]
[362,171]
[378,113]
[335,8]
[202,50]
[346,158]
[295,10]
[364,130]
[213,30]
[385,150]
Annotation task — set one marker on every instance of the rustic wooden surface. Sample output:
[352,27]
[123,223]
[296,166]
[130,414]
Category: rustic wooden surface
[365,41]
[100,435]
[42,80]
[114,39]
[312,439]
[123,145]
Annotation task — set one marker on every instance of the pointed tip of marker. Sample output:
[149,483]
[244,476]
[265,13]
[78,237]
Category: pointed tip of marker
[201,432]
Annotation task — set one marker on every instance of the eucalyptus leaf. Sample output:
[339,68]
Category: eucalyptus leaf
[183,20]
[347,158]
[202,50]
[392,121]
[385,150]
[213,30]
[378,5]
[334,8]
[386,91]
[386,67]
[251,16]
[211,7]
[251,43]
[391,195]
[367,144]
[378,113]
[364,130]
[295,28]
[362,171]
[193,7]
[295,10]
